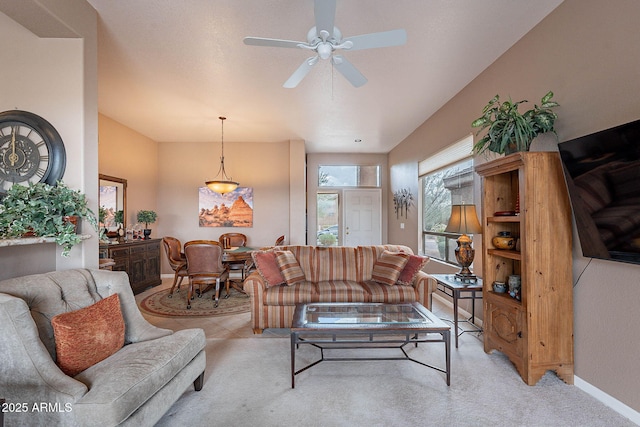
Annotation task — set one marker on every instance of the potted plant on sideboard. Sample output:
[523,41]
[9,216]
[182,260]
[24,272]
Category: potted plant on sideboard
[43,210]
[511,131]
[148,217]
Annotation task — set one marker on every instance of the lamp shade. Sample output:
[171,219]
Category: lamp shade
[464,220]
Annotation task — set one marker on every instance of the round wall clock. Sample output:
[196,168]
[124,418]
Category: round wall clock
[31,150]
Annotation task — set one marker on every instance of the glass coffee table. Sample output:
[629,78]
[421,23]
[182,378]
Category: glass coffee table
[366,325]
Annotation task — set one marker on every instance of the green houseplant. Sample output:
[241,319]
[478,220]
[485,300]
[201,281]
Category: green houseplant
[44,210]
[508,129]
[148,217]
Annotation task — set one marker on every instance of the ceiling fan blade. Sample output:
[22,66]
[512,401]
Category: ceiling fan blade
[300,73]
[347,69]
[375,40]
[259,41]
[325,13]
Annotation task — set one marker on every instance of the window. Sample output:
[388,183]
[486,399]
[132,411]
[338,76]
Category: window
[327,214]
[447,178]
[348,176]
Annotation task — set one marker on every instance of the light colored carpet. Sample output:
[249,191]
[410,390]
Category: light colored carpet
[247,383]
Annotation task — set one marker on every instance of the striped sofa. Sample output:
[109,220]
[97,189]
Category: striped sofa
[332,274]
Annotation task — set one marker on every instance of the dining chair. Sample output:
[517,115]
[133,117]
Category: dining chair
[231,240]
[177,261]
[205,267]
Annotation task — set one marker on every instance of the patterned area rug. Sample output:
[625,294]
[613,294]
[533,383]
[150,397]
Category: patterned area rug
[159,304]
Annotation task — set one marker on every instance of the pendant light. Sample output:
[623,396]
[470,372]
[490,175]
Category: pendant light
[225,184]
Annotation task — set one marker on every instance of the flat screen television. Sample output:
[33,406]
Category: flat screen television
[602,171]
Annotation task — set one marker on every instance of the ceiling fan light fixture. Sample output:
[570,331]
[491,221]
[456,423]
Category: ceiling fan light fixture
[325,39]
[225,184]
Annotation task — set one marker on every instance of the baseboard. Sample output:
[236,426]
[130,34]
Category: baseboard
[608,400]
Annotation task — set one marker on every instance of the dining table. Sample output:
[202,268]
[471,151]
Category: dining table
[237,254]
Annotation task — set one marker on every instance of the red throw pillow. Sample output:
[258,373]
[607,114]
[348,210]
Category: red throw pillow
[87,336]
[415,264]
[268,267]
[388,267]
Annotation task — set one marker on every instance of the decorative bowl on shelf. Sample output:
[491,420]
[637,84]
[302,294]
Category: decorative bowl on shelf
[504,213]
[504,240]
[499,287]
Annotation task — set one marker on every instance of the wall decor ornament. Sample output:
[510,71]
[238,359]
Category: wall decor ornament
[402,200]
[233,209]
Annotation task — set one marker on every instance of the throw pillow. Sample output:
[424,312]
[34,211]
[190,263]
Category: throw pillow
[289,267]
[388,267]
[414,264]
[268,267]
[87,336]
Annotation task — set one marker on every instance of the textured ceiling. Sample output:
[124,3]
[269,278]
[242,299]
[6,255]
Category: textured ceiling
[168,68]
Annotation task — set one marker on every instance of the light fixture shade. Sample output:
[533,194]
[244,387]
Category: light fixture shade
[225,184]
[464,220]
[222,187]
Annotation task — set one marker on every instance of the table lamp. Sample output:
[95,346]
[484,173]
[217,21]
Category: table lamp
[464,220]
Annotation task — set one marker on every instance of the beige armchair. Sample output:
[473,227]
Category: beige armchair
[134,386]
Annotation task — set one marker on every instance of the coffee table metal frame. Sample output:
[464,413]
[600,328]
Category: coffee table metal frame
[367,335]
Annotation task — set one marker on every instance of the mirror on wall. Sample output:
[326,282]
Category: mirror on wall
[112,198]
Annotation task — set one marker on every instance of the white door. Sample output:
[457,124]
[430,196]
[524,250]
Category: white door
[362,217]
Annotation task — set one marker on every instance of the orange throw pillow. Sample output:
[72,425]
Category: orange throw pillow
[87,336]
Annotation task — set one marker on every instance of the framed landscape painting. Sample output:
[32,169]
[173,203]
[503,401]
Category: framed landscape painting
[233,209]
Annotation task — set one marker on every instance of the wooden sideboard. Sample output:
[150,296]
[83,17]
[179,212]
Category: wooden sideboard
[140,259]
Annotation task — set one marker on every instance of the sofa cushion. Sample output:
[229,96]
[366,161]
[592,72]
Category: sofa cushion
[123,382]
[341,291]
[87,336]
[289,267]
[334,263]
[389,294]
[301,292]
[268,267]
[388,267]
[415,264]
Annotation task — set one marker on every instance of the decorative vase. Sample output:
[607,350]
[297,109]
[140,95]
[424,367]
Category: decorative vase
[514,286]
[147,233]
[504,240]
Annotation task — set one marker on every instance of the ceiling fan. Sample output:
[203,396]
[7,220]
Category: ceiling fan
[325,39]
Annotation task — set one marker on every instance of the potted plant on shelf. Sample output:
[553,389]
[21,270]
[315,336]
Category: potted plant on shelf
[43,210]
[509,130]
[148,217]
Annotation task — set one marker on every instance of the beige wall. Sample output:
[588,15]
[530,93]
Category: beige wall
[124,153]
[53,74]
[266,167]
[586,52]
[165,177]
